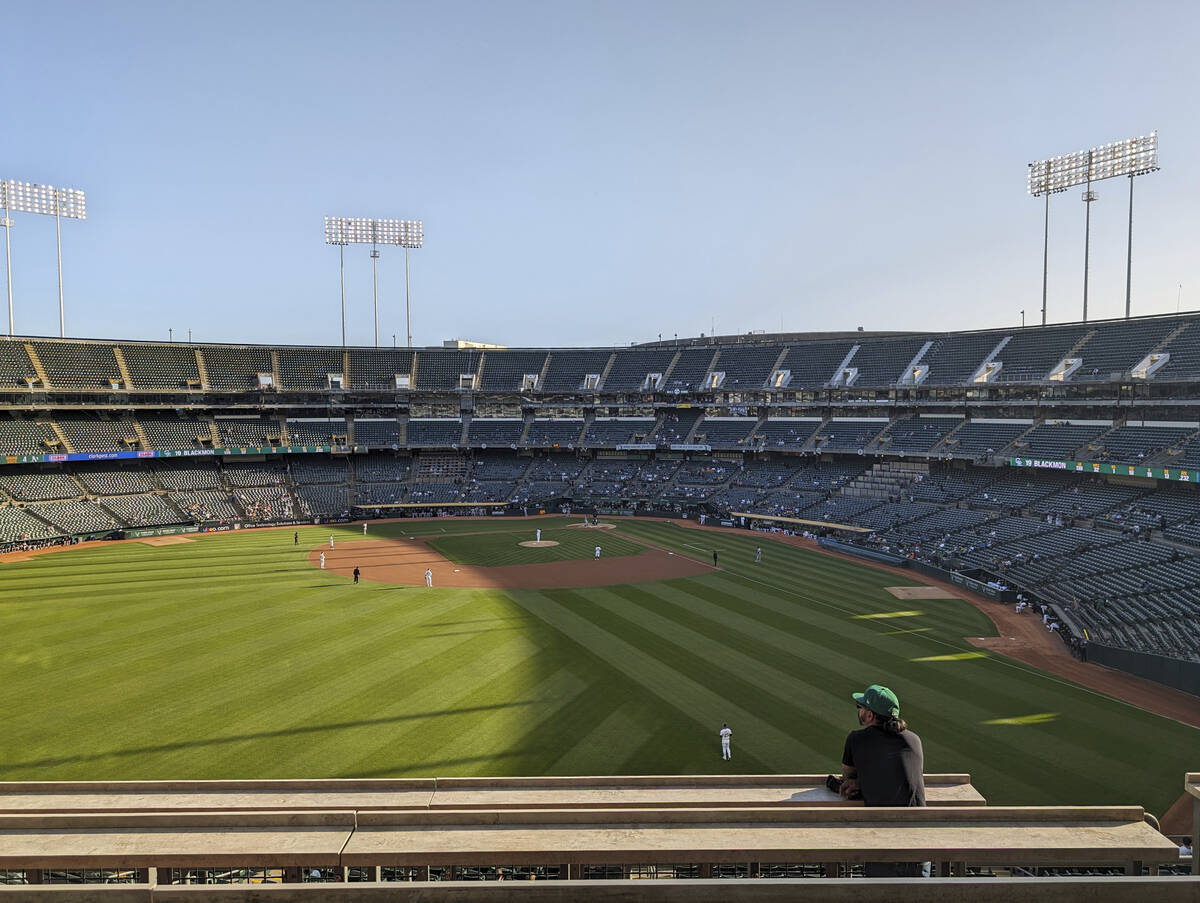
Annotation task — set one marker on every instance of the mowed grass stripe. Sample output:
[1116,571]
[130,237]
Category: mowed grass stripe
[675,675]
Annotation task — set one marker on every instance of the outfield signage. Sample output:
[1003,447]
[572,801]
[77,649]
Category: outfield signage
[182,453]
[1174,474]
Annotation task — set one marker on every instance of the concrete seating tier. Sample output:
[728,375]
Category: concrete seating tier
[161,366]
[747,367]
[1034,351]
[93,435]
[323,500]
[955,358]
[176,434]
[15,366]
[376,368]
[378,433]
[629,369]
[26,437]
[233,369]
[441,370]
[142,510]
[882,362]
[78,365]
[309,368]
[812,365]
[182,477]
[503,371]
[318,432]
[725,432]
[689,370]
[568,369]
[497,432]
[76,516]
[33,485]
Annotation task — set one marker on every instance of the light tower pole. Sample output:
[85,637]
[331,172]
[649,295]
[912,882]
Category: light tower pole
[26,197]
[1130,157]
[407,234]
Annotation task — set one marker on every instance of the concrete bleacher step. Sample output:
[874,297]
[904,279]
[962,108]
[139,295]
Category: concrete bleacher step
[122,367]
[37,365]
[202,369]
[214,434]
[61,436]
[275,369]
[140,432]
[545,369]
[612,359]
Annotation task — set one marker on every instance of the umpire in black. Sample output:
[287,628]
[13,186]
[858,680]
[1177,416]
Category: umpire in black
[884,763]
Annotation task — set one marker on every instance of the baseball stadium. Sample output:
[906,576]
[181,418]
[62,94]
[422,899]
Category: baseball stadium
[489,568]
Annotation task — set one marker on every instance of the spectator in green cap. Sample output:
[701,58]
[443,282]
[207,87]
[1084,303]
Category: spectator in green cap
[884,762]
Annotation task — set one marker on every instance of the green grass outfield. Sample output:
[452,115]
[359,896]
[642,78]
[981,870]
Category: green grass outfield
[232,657]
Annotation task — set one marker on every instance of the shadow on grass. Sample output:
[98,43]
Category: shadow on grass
[260,735]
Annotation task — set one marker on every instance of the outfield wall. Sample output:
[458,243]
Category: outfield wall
[1171,672]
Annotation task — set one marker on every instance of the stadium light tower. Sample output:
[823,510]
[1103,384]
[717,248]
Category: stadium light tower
[26,197]
[1131,157]
[374,232]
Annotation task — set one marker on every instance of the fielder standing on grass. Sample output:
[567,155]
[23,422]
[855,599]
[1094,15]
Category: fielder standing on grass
[429,577]
[726,739]
[356,573]
[758,555]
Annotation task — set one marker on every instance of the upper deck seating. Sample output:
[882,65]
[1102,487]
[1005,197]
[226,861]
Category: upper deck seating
[881,362]
[497,432]
[153,366]
[568,369]
[505,371]
[1034,351]
[953,359]
[91,435]
[78,365]
[689,370]
[1116,348]
[500,467]
[814,364]
[309,368]
[630,368]
[1184,349]
[233,369]
[15,366]
[377,368]
[441,370]
[747,366]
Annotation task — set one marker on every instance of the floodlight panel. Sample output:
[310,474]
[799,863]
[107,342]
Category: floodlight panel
[28,197]
[364,231]
[1131,157]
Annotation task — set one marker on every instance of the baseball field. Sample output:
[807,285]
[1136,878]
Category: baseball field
[235,655]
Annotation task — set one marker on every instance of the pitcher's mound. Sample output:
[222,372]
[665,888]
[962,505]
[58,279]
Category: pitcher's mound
[920,592]
[544,544]
[165,540]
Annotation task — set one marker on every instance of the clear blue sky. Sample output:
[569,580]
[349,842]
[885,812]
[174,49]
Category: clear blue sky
[592,172]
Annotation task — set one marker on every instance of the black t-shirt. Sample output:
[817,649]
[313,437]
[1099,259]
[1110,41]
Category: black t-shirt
[890,766]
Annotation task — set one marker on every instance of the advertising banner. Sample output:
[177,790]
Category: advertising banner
[1175,474]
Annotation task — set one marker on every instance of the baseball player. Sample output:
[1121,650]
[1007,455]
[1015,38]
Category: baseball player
[758,555]
[364,529]
[429,577]
[539,535]
[597,553]
[331,541]
[726,736]
[322,561]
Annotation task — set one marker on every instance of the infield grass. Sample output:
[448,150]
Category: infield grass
[232,657]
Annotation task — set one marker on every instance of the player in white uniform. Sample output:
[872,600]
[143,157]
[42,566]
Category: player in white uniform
[597,553]
[726,736]
[322,561]
[539,535]
[331,540]
[364,529]
[429,577]
[758,555]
